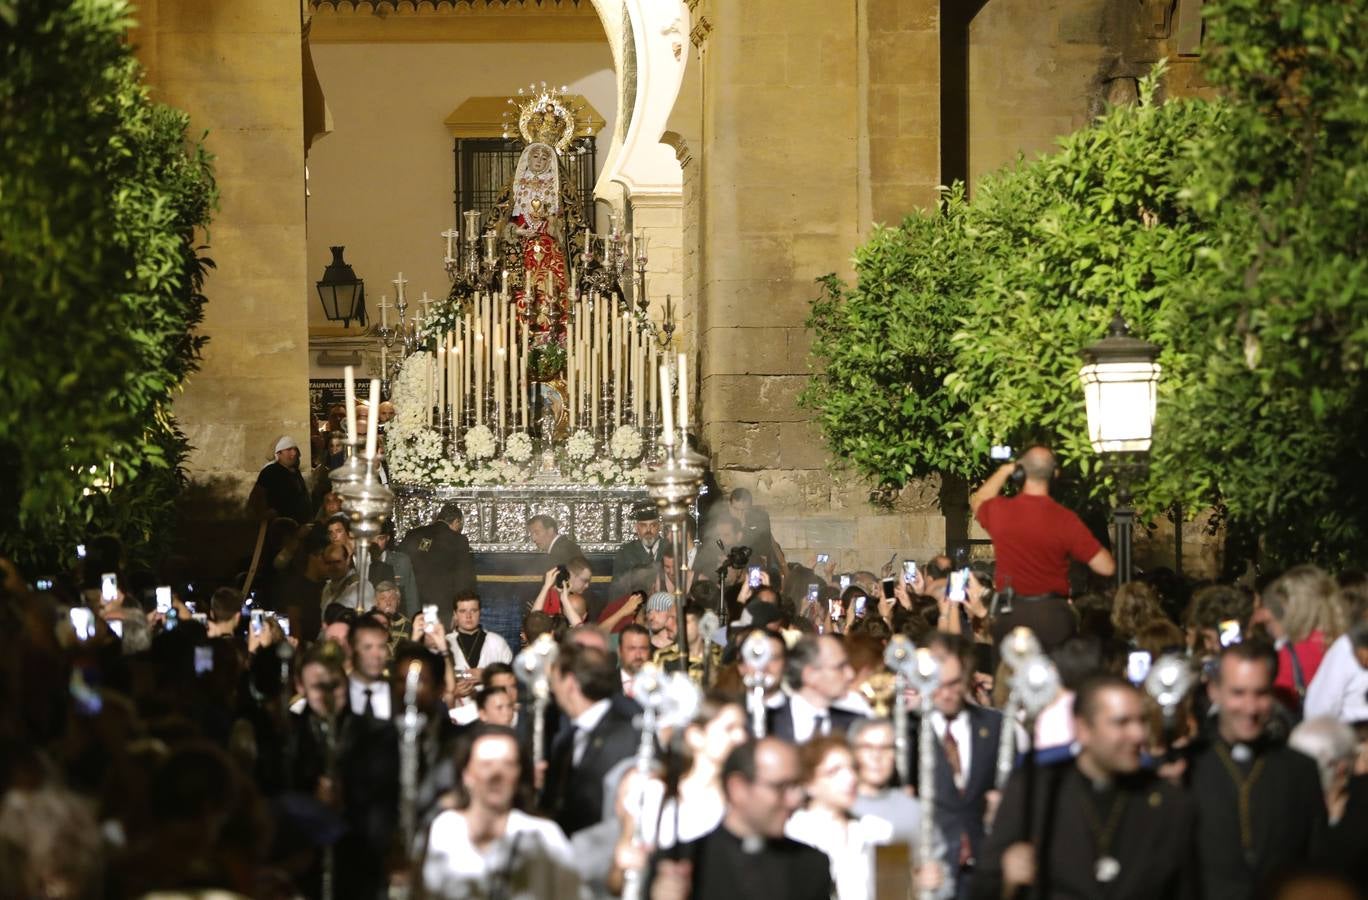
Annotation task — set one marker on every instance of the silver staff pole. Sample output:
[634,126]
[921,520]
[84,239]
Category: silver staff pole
[923,675]
[1018,647]
[901,657]
[408,759]
[533,666]
[757,653]
[1168,682]
[648,689]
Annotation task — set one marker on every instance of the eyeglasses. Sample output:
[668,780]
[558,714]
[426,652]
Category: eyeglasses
[782,787]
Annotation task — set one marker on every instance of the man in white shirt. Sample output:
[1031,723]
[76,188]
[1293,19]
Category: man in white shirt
[818,673]
[367,688]
[473,648]
[489,848]
[1339,688]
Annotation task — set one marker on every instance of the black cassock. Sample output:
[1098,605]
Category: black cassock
[1129,839]
[1282,825]
[778,868]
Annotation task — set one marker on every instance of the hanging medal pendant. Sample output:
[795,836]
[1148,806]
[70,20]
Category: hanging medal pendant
[1106,869]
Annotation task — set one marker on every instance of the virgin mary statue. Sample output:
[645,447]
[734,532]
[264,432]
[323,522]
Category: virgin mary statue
[538,211]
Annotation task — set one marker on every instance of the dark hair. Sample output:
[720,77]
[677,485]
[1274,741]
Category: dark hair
[315,540]
[537,624]
[1249,651]
[407,651]
[741,761]
[592,669]
[811,754]
[498,668]
[450,512]
[634,628]
[1086,699]
[465,748]
[740,495]
[1077,660]
[936,569]
[802,655]
[324,653]
[367,623]
[694,609]
[1358,634]
[956,645]
[340,517]
[224,604]
[336,612]
[466,597]
[544,521]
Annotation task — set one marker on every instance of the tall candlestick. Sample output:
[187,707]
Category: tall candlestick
[450,235]
[684,397]
[479,380]
[524,380]
[666,401]
[373,418]
[349,382]
[399,284]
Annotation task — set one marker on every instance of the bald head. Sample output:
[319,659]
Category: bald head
[1039,464]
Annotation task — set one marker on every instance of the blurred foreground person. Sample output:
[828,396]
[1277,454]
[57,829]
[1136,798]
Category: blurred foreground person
[488,847]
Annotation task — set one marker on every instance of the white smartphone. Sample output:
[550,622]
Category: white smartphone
[284,624]
[834,608]
[956,589]
[109,587]
[83,622]
[1137,666]
[204,660]
[256,621]
[80,551]
[754,577]
[117,627]
[909,571]
[1000,452]
[1230,632]
[429,615]
[164,599]
[845,582]
[823,558]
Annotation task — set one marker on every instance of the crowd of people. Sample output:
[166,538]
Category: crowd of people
[313,732]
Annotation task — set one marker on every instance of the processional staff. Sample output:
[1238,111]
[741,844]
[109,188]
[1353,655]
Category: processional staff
[533,666]
[756,653]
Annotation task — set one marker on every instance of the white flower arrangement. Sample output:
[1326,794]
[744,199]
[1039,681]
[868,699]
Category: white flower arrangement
[479,442]
[626,443]
[518,448]
[414,451]
[581,446]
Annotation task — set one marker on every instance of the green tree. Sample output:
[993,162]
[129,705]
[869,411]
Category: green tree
[1230,233]
[101,196]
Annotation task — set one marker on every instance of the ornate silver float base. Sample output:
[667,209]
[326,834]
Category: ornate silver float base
[598,518]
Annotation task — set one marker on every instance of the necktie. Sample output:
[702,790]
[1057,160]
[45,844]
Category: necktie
[821,726]
[366,708]
[579,738]
[952,756]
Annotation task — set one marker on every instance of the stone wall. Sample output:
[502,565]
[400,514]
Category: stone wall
[236,69]
[787,159]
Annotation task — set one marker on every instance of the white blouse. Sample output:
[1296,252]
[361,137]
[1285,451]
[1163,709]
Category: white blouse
[531,860]
[851,851]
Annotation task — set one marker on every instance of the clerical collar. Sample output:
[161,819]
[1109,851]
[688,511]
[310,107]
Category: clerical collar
[750,845]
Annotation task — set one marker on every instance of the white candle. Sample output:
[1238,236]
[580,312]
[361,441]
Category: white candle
[479,380]
[500,370]
[373,417]
[684,397]
[524,378]
[349,381]
[665,404]
[384,312]
[384,360]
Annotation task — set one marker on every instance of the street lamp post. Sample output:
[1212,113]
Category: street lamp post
[1120,377]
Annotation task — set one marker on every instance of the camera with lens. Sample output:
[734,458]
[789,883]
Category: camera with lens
[738,557]
[562,577]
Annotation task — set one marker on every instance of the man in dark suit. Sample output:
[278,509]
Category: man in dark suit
[966,737]
[443,563]
[641,555]
[597,736]
[818,673]
[545,533]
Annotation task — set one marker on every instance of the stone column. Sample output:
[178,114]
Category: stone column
[236,69]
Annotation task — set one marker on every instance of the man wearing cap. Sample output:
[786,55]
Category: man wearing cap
[644,552]
[443,563]
[280,490]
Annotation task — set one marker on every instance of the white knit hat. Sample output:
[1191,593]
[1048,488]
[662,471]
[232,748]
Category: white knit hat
[285,443]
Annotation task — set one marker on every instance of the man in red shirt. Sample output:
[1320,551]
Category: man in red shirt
[1034,538]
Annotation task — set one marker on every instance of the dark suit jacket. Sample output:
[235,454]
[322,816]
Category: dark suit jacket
[962,812]
[630,558]
[562,551]
[779,721]
[574,793]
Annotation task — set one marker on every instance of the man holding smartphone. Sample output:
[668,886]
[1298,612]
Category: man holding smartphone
[1034,539]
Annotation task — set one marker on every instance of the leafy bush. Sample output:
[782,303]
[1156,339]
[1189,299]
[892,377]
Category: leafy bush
[100,199]
[1230,233]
